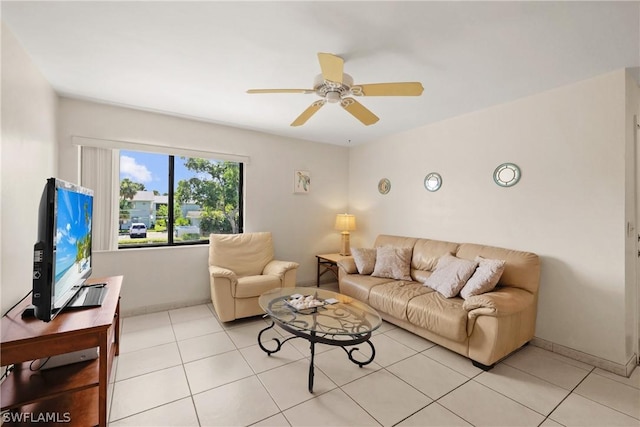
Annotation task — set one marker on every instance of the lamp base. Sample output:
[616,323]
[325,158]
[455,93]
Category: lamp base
[346,247]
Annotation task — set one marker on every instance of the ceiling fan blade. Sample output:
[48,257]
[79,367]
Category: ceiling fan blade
[306,114]
[359,111]
[388,89]
[332,67]
[280,91]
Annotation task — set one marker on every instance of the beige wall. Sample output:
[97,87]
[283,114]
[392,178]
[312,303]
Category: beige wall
[302,225]
[569,206]
[28,157]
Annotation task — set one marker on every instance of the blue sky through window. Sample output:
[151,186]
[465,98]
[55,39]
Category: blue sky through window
[151,169]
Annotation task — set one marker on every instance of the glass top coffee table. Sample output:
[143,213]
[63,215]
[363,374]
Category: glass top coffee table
[337,320]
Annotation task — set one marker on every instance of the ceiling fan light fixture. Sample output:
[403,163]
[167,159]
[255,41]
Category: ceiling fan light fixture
[334,86]
[333,97]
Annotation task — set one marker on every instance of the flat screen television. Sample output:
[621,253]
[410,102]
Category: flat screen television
[62,253]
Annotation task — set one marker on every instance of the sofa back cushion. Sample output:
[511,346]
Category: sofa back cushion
[245,254]
[427,253]
[395,241]
[521,270]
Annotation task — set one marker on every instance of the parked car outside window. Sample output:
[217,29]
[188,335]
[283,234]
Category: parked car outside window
[138,229]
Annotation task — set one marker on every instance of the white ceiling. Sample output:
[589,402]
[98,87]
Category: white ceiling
[197,59]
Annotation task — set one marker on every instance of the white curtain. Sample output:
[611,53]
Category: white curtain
[100,172]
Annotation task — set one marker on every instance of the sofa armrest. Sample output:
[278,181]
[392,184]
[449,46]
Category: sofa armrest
[500,302]
[348,265]
[279,268]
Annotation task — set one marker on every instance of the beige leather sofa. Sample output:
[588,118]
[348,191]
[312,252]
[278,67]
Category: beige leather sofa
[241,268]
[484,328]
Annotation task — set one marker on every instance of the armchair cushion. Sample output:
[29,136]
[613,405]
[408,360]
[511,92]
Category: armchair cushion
[245,254]
[254,286]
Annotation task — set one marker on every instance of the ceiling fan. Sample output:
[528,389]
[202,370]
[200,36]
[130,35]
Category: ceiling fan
[335,86]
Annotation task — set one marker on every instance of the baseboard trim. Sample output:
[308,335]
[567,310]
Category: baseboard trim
[161,307]
[624,370]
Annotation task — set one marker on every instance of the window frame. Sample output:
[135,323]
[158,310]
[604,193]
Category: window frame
[170,201]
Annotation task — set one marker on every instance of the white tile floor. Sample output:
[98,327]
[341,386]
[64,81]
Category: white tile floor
[184,368]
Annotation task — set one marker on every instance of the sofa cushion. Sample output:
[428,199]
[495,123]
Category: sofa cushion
[359,286]
[365,259]
[522,269]
[392,298]
[485,278]
[440,315]
[420,275]
[426,253]
[450,275]
[393,263]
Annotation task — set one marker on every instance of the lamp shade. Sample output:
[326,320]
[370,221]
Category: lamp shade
[345,222]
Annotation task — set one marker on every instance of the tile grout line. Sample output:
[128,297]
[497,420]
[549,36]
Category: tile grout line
[567,396]
[186,377]
[451,391]
[600,403]
[570,391]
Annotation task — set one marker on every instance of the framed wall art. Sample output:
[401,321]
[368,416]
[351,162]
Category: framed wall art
[301,182]
[384,186]
[507,175]
[433,181]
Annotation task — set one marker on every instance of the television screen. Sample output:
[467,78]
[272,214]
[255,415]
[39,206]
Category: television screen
[62,254]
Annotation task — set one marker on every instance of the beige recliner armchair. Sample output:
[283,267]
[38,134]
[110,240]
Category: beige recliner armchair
[241,268]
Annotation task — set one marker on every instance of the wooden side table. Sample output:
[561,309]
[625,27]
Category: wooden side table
[327,262]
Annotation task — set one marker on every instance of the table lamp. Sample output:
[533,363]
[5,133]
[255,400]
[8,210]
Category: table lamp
[345,223]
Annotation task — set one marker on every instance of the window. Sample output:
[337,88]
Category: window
[180,200]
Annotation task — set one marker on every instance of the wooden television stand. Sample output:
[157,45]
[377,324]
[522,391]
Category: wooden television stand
[74,394]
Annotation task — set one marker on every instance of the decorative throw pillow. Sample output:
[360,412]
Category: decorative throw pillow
[393,263]
[485,278]
[365,259]
[450,275]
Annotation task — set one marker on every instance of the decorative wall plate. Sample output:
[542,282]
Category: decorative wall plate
[433,181]
[507,175]
[384,186]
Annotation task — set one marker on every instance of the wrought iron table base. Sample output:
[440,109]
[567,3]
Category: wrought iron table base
[313,337]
